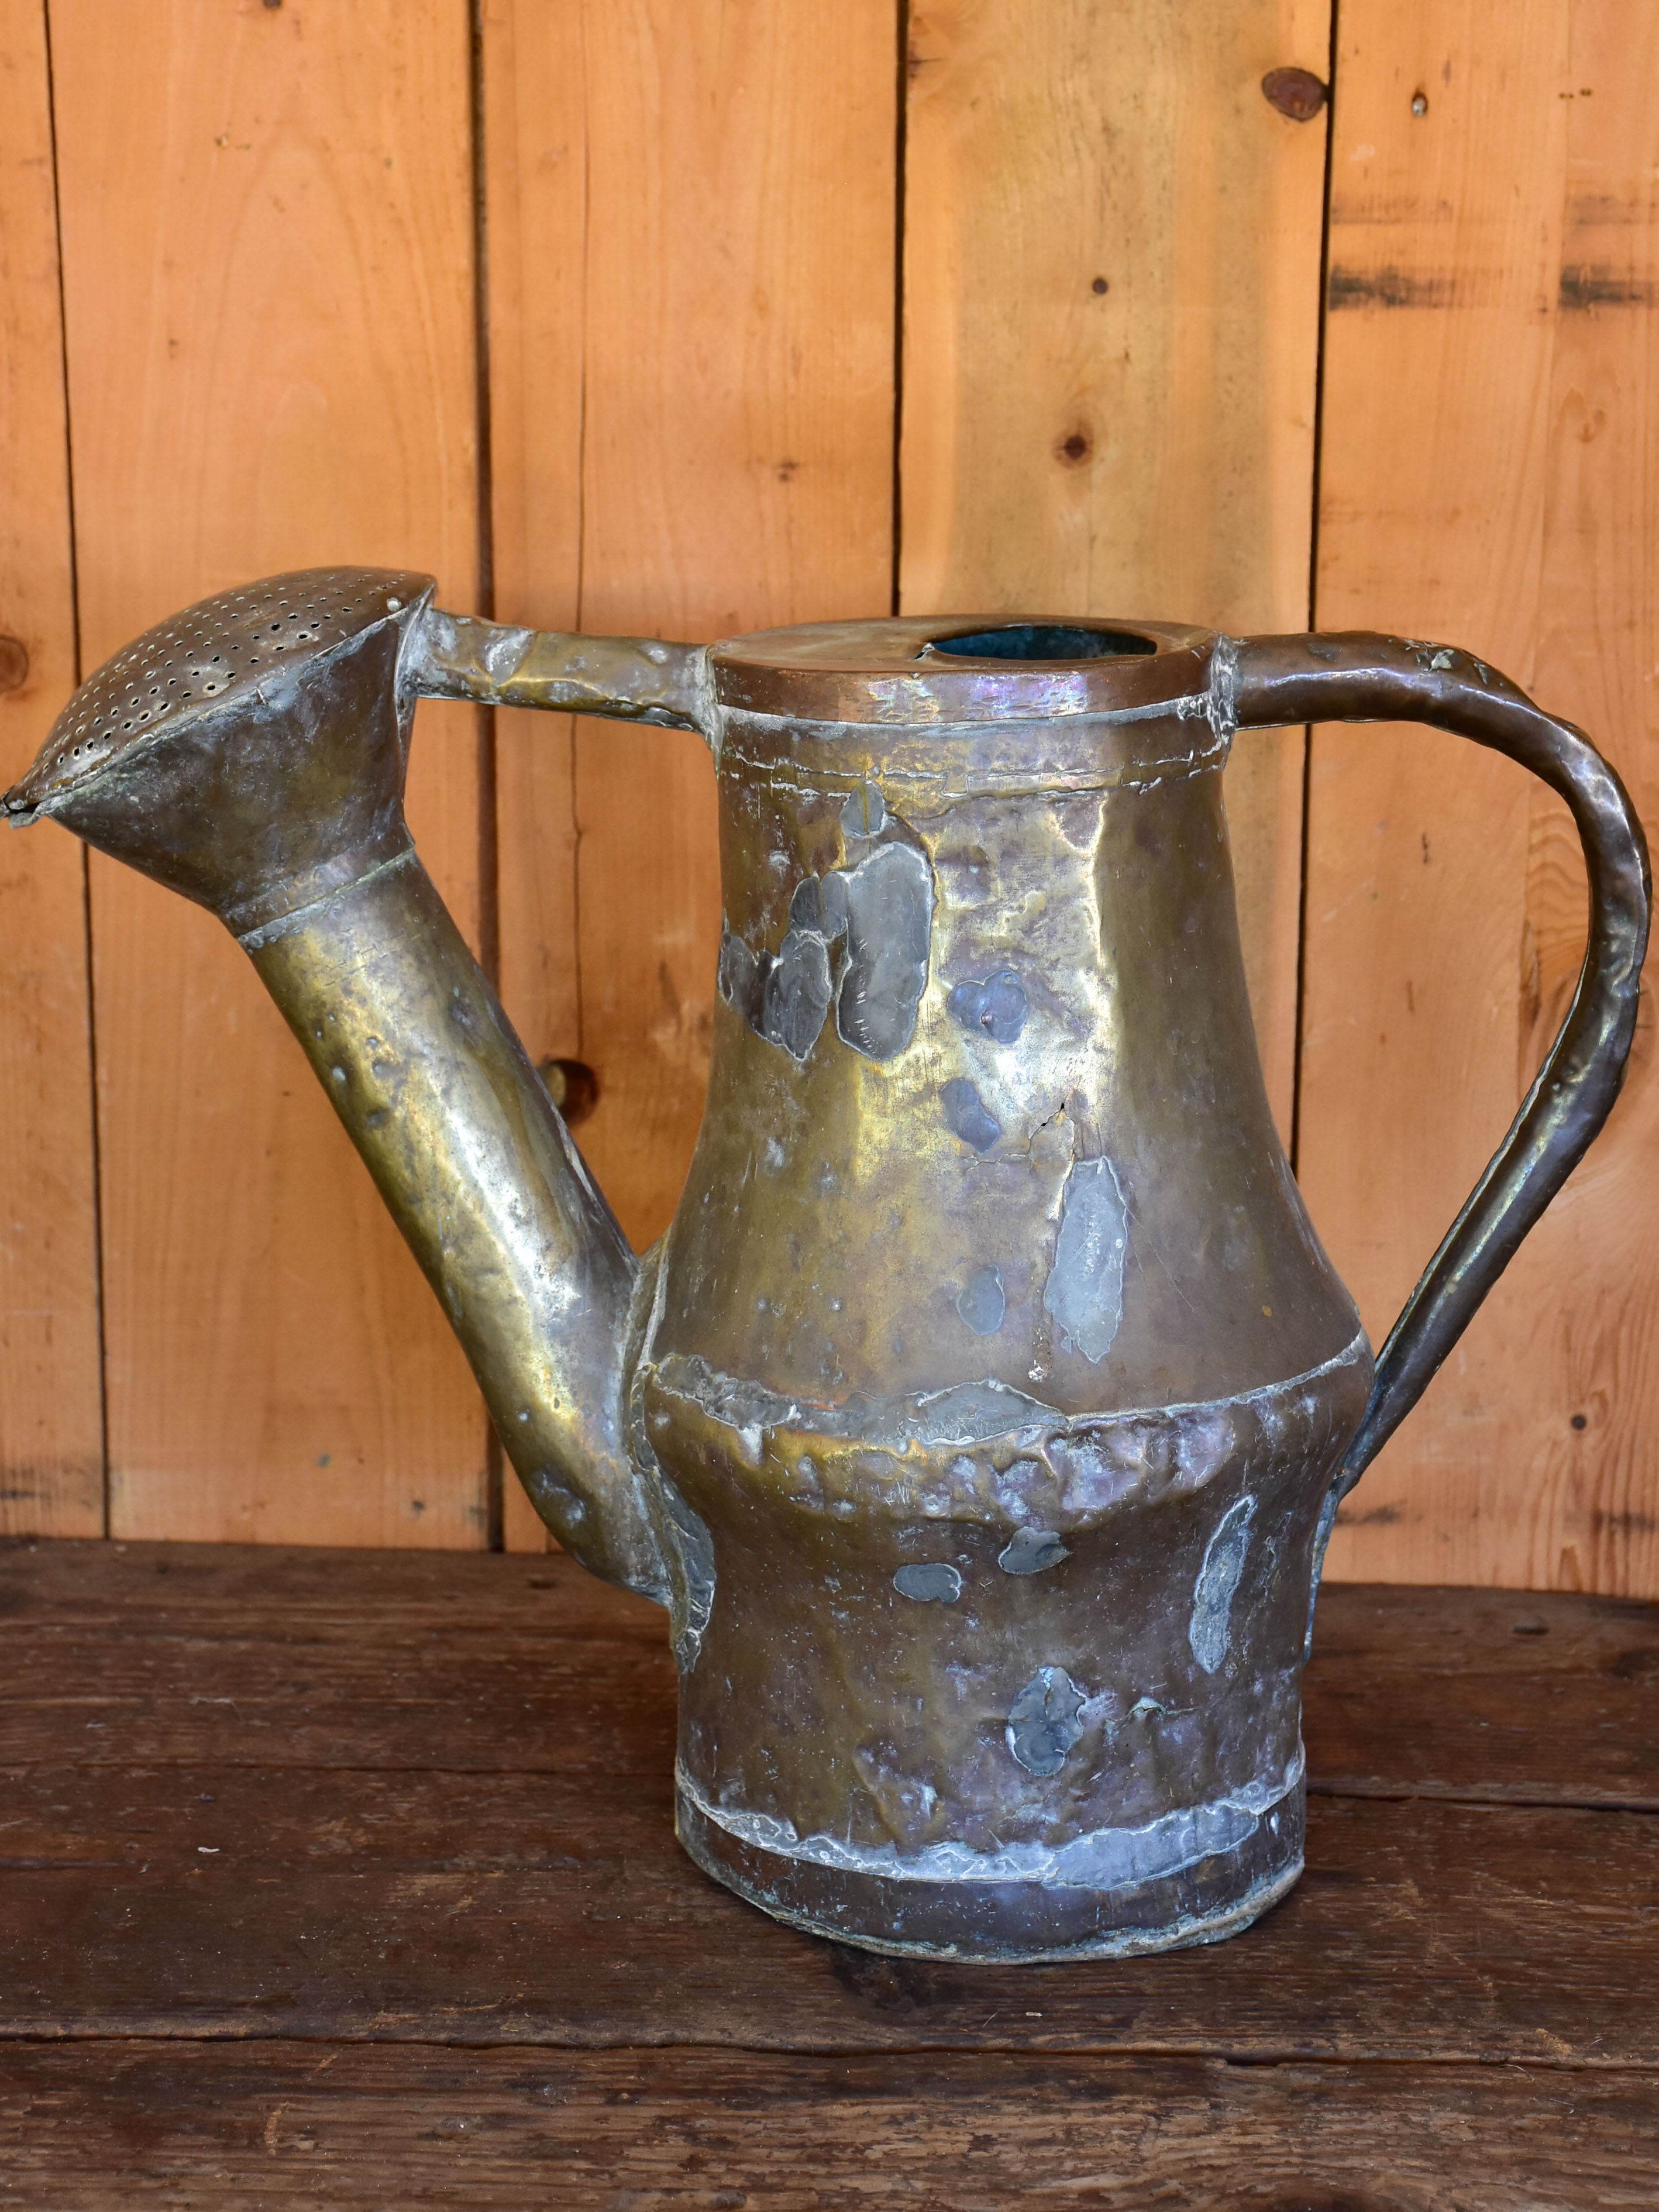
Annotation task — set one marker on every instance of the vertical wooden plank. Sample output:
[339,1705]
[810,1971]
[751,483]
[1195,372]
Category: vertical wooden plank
[267,253]
[535,140]
[690,216]
[1112,247]
[536,199]
[1489,478]
[52,1470]
[1584,1428]
[737,466]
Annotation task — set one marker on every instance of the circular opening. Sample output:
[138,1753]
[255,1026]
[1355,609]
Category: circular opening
[1043,642]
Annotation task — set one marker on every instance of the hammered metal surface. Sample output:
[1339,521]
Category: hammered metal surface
[982,1414]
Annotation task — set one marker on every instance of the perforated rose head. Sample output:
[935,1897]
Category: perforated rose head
[244,750]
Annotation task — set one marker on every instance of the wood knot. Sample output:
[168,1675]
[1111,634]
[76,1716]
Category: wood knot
[1296,93]
[14,663]
[573,1087]
[1074,449]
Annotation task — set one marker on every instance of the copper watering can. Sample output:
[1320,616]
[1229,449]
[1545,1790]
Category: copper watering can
[983,1414]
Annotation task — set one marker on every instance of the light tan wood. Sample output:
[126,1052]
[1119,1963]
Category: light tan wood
[535,147]
[1112,249]
[51,1453]
[268,252]
[691,228]
[736,464]
[691,218]
[1488,479]
[535,142]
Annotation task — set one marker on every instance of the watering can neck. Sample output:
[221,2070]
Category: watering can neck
[980,979]
[958,671]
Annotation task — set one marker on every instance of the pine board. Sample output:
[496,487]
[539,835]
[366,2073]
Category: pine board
[531,156]
[1111,276]
[715,183]
[268,252]
[1487,478]
[697,218]
[51,1445]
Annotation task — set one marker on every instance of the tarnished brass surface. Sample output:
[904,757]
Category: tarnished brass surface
[252,753]
[982,1415]
[637,679]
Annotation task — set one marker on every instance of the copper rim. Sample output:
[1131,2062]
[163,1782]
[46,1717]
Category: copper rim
[907,669]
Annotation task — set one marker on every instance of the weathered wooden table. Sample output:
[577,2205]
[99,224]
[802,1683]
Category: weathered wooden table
[346,1879]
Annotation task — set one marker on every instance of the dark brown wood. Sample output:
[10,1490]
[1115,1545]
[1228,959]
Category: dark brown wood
[205,1654]
[199,1653]
[235,2126]
[534,1909]
[1506,1695]
[404,1820]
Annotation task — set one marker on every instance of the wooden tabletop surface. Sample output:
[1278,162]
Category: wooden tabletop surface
[336,1878]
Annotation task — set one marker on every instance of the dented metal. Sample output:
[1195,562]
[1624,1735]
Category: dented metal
[982,1416]
[858,938]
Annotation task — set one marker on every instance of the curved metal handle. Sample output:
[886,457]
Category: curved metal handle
[1357,678]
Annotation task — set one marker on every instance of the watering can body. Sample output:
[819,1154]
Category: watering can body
[982,1415]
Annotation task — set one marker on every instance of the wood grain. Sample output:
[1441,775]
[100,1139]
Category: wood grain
[426,1798]
[332,1904]
[535,127]
[361,1888]
[52,1450]
[476,1665]
[736,471]
[94,2127]
[1488,479]
[268,254]
[697,453]
[1111,274]
[690,213]
[534,121]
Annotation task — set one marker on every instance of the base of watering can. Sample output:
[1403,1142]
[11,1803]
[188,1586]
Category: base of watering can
[995,1917]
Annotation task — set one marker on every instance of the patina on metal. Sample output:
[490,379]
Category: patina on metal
[982,1415]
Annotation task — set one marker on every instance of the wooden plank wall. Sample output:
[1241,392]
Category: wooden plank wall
[690,315]
[269,307]
[1490,474]
[702,396]
[52,1443]
[1128,426]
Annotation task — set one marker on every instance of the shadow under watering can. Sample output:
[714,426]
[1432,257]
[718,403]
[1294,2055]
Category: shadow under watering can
[983,1413]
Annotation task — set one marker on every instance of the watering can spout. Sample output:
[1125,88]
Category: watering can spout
[252,754]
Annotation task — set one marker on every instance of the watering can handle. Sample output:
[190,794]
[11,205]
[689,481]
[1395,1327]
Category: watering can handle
[1355,677]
